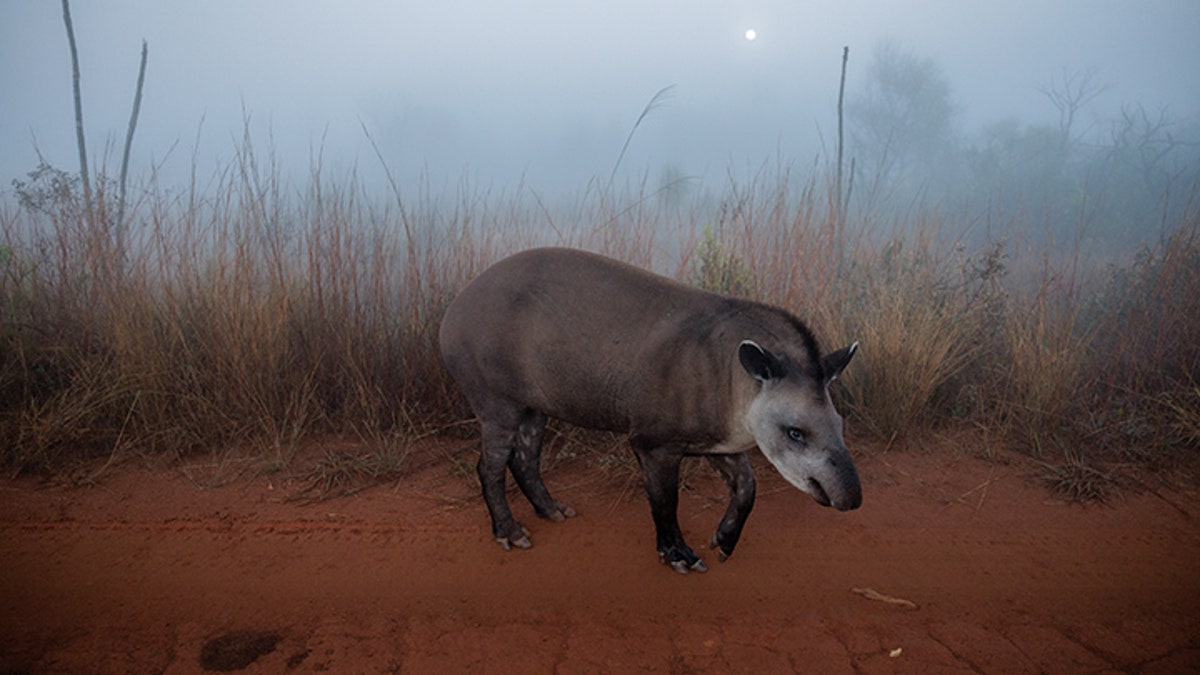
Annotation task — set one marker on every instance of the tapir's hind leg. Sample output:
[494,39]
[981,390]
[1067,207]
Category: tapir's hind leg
[498,441]
[525,463]
[512,439]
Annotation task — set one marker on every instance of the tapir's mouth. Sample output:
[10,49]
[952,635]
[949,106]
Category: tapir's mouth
[820,496]
[818,493]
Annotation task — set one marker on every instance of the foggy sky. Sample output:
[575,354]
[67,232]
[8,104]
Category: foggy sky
[544,90]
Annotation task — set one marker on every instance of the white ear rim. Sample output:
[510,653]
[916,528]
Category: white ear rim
[850,351]
[761,374]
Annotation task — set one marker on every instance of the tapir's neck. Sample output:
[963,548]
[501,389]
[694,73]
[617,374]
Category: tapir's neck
[743,389]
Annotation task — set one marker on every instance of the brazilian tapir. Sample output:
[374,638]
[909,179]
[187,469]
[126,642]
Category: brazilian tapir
[598,343]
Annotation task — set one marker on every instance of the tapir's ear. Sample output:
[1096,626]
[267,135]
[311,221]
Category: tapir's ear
[833,364]
[759,362]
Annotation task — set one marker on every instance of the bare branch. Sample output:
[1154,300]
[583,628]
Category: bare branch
[1071,94]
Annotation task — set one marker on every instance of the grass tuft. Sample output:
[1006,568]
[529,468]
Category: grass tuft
[343,473]
[1077,481]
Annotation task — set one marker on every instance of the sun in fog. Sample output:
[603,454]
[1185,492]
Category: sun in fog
[751,34]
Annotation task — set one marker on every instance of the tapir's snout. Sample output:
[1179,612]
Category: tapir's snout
[841,488]
[831,480]
[853,498]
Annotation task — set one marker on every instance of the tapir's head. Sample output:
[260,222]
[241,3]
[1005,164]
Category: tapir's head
[796,426]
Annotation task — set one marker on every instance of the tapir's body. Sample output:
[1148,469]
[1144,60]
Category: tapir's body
[601,344]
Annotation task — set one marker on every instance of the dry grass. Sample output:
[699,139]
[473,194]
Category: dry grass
[1049,357]
[255,316]
[1075,480]
[342,473]
[923,315]
[237,319]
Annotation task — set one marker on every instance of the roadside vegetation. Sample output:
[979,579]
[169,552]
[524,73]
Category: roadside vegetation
[252,318]
[1004,286]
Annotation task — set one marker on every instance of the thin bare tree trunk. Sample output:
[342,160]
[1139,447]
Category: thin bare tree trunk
[137,104]
[83,165]
[840,209]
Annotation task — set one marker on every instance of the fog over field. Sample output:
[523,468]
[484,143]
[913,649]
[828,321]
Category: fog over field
[1012,232]
[545,93]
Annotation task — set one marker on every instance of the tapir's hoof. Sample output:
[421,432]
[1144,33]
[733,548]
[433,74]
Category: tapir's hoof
[560,512]
[682,566]
[722,556]
[521,540]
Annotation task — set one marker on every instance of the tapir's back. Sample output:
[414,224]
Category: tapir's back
[570,333]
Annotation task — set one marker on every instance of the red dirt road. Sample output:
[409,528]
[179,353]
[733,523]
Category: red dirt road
[149,573]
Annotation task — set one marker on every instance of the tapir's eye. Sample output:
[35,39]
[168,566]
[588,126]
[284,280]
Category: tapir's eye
[797,434]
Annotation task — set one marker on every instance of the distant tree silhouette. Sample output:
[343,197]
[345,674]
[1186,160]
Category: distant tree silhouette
[901,119]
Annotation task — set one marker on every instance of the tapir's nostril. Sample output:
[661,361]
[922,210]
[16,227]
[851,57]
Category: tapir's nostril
[855,501]
[817,492]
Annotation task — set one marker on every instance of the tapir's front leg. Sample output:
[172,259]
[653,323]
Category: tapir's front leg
[661,469]
[739,476]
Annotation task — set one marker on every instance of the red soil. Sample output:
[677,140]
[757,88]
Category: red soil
[149,573]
